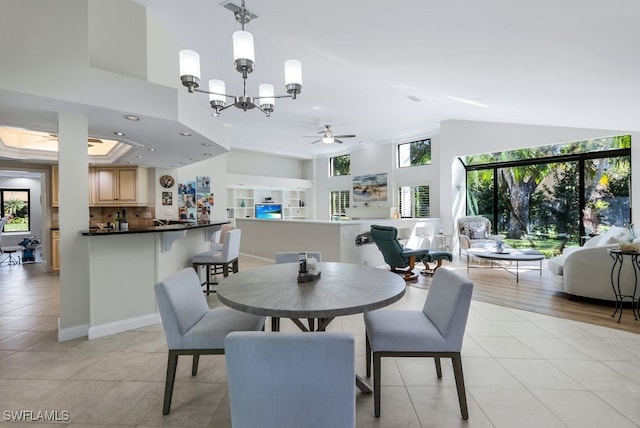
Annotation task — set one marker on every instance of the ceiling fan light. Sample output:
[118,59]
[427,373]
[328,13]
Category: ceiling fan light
[243,48]
[327,140]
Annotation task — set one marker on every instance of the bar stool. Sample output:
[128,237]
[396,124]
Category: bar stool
[221,261]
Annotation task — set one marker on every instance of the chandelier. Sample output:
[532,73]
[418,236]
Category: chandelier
[244,61]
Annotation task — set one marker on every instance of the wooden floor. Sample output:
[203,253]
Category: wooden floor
[535,293]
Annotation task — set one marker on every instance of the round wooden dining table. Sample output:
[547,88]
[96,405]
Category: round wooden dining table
[342,289]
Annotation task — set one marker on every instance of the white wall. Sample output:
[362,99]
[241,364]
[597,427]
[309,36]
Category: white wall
[375,160]
[241,162]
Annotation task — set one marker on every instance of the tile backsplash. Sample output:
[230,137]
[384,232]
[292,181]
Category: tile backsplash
[135,215]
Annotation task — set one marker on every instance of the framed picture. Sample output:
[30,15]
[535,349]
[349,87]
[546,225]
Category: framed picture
[370,188]
[167,198]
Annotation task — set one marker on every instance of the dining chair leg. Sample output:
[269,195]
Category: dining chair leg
[438,367]
[457,372]
[172,364]
[312,323]
[275,324]
[368,354]
[194,364]
[208,279]
[376,384]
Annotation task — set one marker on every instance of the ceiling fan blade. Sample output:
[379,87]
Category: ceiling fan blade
[317,141]
[344,136]
[335,140]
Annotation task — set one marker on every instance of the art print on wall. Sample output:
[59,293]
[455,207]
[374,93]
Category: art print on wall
[167,198]
[204,199]
[370,188]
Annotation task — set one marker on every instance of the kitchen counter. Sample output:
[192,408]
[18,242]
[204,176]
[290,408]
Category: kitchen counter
[124,265]
[151,229]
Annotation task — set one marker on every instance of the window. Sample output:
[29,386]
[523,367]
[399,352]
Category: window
[15,206]
[414,153]
[339,201]
[340,165]
[413,201]
[554,196]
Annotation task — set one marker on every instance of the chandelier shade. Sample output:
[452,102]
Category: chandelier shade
[244,60]
[190,64]
[293,72]
[217,91]
[243,47]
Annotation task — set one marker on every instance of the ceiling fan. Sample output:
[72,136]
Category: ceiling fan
[329,138]
[53,137]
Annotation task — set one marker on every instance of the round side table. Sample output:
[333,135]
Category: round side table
[618,257]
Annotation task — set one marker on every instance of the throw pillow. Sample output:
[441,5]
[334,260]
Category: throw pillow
[480,233]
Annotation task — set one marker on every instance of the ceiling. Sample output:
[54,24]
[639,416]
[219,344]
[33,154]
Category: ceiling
[391,71]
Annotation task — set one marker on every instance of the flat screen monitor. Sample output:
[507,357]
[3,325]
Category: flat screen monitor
[268,210]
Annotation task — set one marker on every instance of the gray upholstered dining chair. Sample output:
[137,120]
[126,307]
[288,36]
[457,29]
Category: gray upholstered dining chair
[435,331]
[291,380]
[293,257]
[219,261]
[190,327]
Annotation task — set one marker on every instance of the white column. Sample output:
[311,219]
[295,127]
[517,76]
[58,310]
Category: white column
[73,217]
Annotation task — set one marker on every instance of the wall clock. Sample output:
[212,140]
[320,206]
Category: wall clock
[167,181]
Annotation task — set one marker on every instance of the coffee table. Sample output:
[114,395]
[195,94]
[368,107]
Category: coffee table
[508,255]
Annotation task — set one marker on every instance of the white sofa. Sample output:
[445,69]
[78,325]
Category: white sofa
[586,271]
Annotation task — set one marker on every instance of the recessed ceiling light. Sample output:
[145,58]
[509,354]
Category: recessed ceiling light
[140,156]
[186,134]
[151,149]
[131,162]
[172,166]
[132,117]
[207,144]
[194,159]
[120,134]
[183,163]
[208,154]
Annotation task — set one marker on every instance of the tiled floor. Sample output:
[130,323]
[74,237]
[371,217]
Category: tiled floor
[521,370]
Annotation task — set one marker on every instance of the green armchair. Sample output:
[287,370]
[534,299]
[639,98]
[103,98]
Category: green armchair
[401,260]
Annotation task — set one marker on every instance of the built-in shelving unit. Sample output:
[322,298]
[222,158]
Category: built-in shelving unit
[242,202]
[245,191]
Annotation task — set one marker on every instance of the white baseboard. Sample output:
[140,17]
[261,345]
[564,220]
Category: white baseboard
[123,325]
[74,332]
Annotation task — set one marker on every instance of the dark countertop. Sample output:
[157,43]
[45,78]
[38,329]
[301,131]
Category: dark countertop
[152,229]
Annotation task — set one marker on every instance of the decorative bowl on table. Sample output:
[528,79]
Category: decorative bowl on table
[630,247]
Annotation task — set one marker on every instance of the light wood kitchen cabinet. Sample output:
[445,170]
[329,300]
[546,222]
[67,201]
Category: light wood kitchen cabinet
[55,186]
[120,186]
[55,250]
[110,186]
